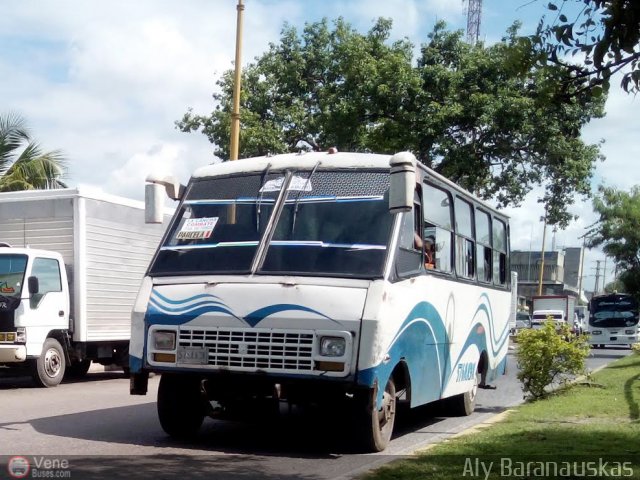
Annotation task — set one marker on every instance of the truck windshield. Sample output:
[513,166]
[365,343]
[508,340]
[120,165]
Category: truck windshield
[613,311]
[331,223]
[12,268]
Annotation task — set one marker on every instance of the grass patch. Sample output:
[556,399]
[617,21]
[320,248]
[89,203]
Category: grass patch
[577,425]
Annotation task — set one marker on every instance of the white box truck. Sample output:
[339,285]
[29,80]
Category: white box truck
[559,307]
[71,263]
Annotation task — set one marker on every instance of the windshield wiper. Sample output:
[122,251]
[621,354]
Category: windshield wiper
[304,189]
[259,204]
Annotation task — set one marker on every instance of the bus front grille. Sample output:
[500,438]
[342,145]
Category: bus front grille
[252,349]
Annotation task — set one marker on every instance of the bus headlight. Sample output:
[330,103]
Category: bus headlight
[596,332]
[629,332]
[164,340]
[332,346]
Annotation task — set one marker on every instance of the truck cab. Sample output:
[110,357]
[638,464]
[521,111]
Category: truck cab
[34,312]
[541,316]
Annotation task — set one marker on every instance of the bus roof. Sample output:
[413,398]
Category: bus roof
[308,160]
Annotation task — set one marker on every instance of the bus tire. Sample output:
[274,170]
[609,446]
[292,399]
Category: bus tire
[375,427]
[464,404]
[181,408]
[48,369]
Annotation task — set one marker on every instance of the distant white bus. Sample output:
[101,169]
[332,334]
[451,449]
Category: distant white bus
[613,320]
[307,278]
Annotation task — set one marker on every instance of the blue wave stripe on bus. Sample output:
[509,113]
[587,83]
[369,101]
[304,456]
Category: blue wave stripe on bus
[430,368]
[505,332]
[256,317]
[155,316]
[155,293]
[184,308]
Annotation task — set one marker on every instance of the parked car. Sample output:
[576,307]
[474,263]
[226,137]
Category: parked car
[523,320]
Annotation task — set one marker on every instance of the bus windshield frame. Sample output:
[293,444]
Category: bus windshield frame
[310,223]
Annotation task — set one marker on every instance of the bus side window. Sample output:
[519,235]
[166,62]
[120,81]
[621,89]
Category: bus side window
[409,254]
[484,253]
[438,225]
[465,247]
[499,252]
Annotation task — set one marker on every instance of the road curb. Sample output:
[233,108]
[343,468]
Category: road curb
[498,417]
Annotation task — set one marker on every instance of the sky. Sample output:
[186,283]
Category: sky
[104,83]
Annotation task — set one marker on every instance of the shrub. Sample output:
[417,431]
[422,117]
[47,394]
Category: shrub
[548,355]
[636,348]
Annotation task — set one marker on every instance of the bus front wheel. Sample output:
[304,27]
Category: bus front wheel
[181,408]
[375,426]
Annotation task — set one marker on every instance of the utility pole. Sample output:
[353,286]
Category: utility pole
[604,276]
[544,235]
[595,288]
[237,79]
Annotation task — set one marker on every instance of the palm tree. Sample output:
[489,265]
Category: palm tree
[23,164]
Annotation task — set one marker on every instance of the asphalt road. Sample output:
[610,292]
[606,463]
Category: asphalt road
[103,432]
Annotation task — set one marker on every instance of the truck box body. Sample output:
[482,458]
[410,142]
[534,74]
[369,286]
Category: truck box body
[564,303]
[105,244]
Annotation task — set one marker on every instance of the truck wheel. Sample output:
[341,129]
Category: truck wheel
[78,369]
[48,369]
[181,408]
[464,404]
[374,427]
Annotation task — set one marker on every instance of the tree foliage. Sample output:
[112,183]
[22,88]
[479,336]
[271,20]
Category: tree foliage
[488,118]
[605,32]
[549,355]
[23,164]
[618,234]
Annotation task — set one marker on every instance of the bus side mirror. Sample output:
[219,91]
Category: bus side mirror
[34,285]
[402,182]
[153,203]
[154,200]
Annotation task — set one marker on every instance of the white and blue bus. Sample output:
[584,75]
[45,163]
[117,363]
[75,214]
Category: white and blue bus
[305,278]
[613,320]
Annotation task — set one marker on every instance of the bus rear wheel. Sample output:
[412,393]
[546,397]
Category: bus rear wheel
[464,404]
[181,407]
[375,426]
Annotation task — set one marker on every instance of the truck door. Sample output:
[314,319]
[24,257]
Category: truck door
[50,304]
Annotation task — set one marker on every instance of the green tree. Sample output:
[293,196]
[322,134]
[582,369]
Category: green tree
[488,118]
[605,32]
[618,234]
[23,164]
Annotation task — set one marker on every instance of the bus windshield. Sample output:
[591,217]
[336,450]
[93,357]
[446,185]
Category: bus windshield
[330,223]
[613,311]
[12,269]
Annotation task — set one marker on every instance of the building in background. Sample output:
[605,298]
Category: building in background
[561,274]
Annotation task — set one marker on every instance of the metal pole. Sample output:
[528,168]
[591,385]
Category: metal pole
[235,115]
[584,242]
[544,235]
[529,261]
